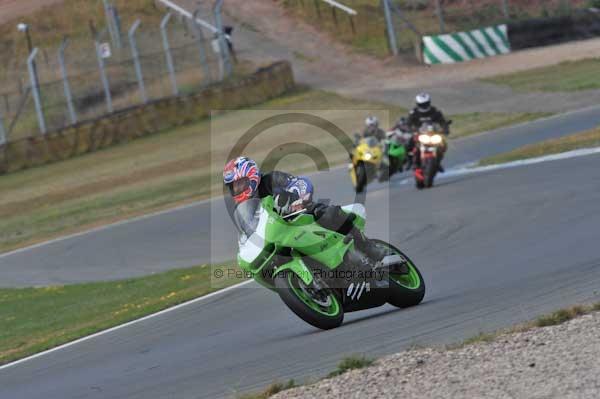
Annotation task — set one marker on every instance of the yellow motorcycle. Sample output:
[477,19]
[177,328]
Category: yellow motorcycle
[366,159]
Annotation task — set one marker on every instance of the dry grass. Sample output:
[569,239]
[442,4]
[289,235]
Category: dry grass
[566,76]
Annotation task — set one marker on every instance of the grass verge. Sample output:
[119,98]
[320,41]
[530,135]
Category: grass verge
[566,76]
[352,362]
[554,146]
[35,319]
[178,166]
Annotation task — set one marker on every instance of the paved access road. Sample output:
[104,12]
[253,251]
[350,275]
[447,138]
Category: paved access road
[495,248]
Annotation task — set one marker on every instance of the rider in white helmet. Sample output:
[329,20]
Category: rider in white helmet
[372,128]
[424,112]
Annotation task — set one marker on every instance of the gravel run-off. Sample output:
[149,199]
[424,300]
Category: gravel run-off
[561,361]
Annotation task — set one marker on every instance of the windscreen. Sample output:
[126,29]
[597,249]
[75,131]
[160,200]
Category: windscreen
[246,216]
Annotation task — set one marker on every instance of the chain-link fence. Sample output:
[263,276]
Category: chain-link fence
[116,68]
[413,18]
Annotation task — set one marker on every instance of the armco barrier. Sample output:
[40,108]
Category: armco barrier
[465,46]
[129,124]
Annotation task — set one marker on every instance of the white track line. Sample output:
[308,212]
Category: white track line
[470,168]
[125,325]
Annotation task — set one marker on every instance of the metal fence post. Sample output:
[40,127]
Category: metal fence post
[390,27]
[103,77]
[2,130]
[505,9]
[440,13]
[224,49]
[35,87]
[111,21]
[136,60]
[201,46]
[65,79]
[168,55]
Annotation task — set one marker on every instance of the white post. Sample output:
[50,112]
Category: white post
[103,78]
[390,27]
[35,88]
[2,130]
[168,56]
[65,79]
[136,60]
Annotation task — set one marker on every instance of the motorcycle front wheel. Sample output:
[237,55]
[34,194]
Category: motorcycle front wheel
[429,171]
[321,309]
[406,289]
[361,177]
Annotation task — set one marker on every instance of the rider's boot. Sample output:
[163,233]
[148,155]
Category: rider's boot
[441,168]
[366,246]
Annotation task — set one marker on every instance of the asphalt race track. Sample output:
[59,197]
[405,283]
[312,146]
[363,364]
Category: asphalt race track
[495,248]
[182,238]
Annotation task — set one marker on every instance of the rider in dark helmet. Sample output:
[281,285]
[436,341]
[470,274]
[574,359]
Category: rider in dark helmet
[292,193]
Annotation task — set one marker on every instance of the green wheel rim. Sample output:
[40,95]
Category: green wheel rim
[331,311]
[410,280]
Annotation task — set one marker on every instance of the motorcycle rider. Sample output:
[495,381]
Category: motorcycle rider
[409,143]
[372,128]
[244,181]
[425,113]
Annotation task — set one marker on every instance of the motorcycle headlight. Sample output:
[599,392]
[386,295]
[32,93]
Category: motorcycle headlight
[424,138]
[436,139]
[368,156]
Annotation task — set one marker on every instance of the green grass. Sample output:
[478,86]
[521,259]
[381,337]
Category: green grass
[561,316]
[554,146]
[352,362]
[269,391]
[36,319]
[566,76]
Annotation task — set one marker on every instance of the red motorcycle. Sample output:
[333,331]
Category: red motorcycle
[430,146]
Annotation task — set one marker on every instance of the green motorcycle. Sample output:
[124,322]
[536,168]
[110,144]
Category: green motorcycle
[316,271]
[395,154]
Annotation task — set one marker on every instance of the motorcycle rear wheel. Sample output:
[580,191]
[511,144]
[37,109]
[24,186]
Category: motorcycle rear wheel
[325,312]
[405,289]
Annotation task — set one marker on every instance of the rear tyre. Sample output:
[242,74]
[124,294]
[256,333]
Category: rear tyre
[321,309]
[405,289]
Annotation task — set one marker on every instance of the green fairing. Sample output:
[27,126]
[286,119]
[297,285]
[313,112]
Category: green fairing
[397,151]
[305,236]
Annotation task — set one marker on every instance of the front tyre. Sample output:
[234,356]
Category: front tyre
[361,177]
[405,289]
[320,308]
[429,171]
